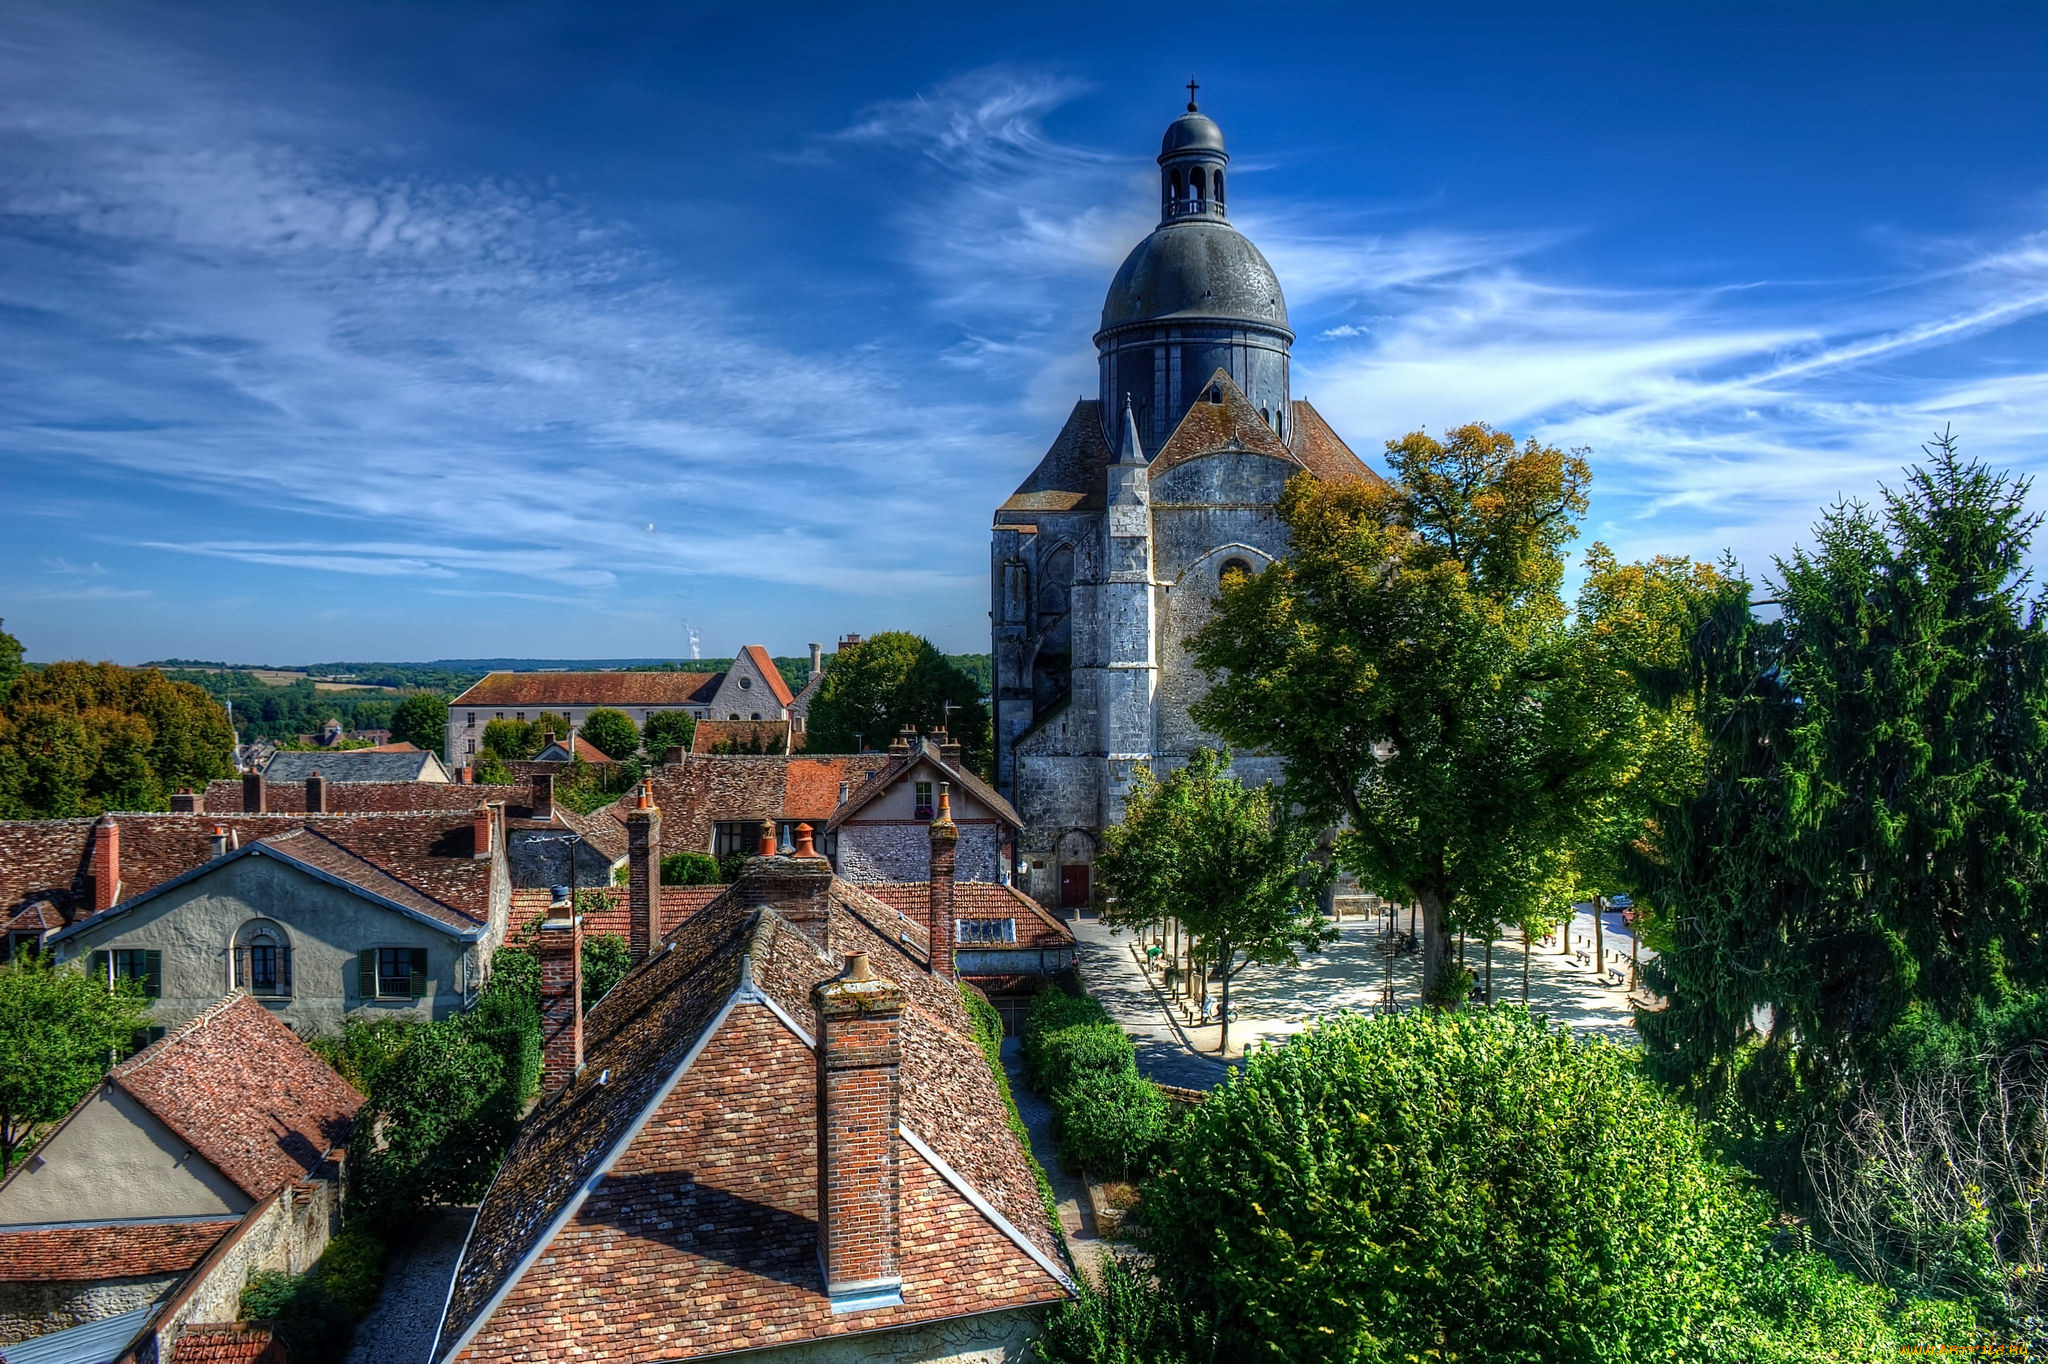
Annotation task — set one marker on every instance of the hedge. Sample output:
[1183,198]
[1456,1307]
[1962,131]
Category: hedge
[1110,1119]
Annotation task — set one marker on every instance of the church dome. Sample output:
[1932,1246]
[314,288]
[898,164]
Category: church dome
[1191,132]
[1194,268]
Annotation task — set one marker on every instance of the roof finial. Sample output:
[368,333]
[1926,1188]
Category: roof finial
[1192,87]
[1132,452]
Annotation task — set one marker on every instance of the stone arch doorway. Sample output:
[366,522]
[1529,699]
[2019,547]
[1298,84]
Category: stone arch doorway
[1074,857]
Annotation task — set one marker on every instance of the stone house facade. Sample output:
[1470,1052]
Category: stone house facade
[1112,551]
[879,832]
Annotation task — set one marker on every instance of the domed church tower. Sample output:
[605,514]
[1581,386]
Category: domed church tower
[1110,554]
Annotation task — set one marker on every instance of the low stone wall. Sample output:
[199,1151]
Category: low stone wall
[286,1232]
[28,1310]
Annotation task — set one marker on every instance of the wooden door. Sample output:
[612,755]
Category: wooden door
[1074,885]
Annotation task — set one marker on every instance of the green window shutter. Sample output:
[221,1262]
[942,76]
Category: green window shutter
[99,967]
[366,973]
[419,972]
[153,974]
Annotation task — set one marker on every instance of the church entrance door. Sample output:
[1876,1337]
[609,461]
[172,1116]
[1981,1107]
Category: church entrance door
[1074,885]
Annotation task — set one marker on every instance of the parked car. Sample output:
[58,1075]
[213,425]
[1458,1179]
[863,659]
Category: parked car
[1620,902]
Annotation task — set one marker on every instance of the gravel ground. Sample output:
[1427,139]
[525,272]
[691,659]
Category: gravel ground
[400,1328]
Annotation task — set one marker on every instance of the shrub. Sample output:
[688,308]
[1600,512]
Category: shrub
[1379,1188]
[442,1111]
[689,869]
[1113,1121]
[363,1047]
[1051,1012]
[606,959]
[1125,1321]
[988,1032]
[668,729]
[315,1313]
[1064,1058]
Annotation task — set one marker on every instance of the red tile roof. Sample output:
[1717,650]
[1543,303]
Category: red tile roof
[225,1343]
[1323,452]
[590,689]
[704,789]
[237,1086]
[714,1202]
[119,1251]
[743,736]
[899,766]
[44,859]
[677,904]
[1037,927]
[769,672]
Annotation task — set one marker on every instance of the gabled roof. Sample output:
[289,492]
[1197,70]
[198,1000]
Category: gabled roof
[677,904]
[353,765]
[44,860]
[1232,424]
[900,765]
[237,1086]
[712,736]
[226,1343]
[1036,926]
[758,656]
[1070,476]
[706,788]
[699,1237]
[590,689]
[560,752]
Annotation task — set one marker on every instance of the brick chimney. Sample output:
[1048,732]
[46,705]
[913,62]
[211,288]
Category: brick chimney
[949,747]
[541,804]
[560,949]
[316,794]
[106,864]
[643,873]
[482,825]
[945,836]
[252,793]
[187,802]
[797,887]
[903,741]
[817,659]
[860,1052]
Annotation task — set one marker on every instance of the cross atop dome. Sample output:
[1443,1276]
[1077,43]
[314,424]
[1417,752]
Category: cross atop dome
[1192,87]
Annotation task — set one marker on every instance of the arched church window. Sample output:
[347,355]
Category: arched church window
[1195,183]
[1054,581]
[1233,570]
[1216,186]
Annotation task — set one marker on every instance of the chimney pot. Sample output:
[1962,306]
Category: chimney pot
[945,840]
[252,793]
[817,659]
[220,840]
[766,845]
[316,794]
[803,841]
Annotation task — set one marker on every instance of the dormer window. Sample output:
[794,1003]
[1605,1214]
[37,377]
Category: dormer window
[922,792]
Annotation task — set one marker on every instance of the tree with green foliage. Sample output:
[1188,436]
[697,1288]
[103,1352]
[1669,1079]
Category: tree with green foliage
[1225,861]
[521,741]
[1862,865]
[875,687]
[612,733]
[1383,1189]
[10,661]
[689,869]
[1413,661]
[606,959]
[422,721]
[667,729]
[488,769]
[84,738]
[59,1031]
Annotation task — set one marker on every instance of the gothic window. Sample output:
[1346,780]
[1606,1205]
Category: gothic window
[1195,184]
[1217,188]
[1054,582]
[1232,570]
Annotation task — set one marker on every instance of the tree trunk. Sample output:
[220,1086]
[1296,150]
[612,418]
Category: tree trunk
[1525,966]
[1436,940]
[1599,936]
[1223,1033]
[1489,968]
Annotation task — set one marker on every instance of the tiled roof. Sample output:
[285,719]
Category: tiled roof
[1322,452]
[313,847]
[373,797]
[350,765]
[742,736]
[225,1343]
[769,672]
[1233,424]
[590,689]
[901,763]
[1036,926]
[44,859]
[118,1251]
[697,793]
[1071,475]
[237,1086]
[677,904]
[584,749]
[714,1203]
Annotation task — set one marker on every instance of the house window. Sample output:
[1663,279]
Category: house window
[520,716]
[746,684]
[472,746]
[755,716]
[984,932]
[501,715]
[924,800]
[263,960]
[735,835]
[142,965]
[392,972]
[472,720]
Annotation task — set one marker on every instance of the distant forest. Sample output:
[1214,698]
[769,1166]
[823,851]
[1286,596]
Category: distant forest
[279,701]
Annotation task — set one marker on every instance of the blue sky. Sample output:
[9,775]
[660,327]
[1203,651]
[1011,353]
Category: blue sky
[412,331]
